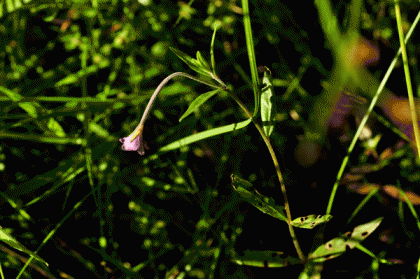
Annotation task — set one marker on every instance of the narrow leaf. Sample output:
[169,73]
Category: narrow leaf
[310,221]
[203,135]
[32,108]
[270,259]
[5,237]
[203,62]
[213,61]
[191,62]
[72,78]
[198,102]
[239,182]
[263,203]
[266,103]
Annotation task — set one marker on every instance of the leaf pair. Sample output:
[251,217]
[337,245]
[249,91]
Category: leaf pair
[337,246]
[199,65]
[267,205]
[332,249]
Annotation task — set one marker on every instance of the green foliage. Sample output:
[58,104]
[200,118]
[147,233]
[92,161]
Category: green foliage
[8,239]
[200,100]
[199,65]
[263,203]
[75,76]
[310,221]
[270,259]
[337,246]
[267,93]
[203,135]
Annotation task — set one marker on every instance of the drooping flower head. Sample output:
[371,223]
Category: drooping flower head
[134,142]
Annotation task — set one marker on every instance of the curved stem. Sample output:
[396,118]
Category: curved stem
[278,171]
[223,87]
[139,128]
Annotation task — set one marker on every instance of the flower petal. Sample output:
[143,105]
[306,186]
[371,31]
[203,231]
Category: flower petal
[136,145]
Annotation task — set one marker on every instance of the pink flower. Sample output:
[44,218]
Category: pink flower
[134,142]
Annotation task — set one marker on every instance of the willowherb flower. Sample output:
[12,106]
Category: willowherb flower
[134,142]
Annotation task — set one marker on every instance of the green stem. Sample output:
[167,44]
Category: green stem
[278,171]
[407,76]
[149,106]
[223,87]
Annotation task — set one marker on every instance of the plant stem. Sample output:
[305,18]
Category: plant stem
[223,87]
[149,106]
[407,77]
[278,171]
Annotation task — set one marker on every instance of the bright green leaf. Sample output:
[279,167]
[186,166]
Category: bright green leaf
[191,62]
[5,237]
[54,126]
[203,135]
[29,108]
[310,221]
[198,102]
[203,62]
[68,80]
[266,103]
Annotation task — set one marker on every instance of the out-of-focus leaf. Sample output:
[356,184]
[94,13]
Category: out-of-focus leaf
[5,237]
[72,78]
[32,108]
[270,259]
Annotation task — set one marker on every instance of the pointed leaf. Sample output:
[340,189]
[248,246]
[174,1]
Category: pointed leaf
[269,259]
[266,103]
[206,134]
[213,61]
[32,108]
[5,237]
[191,62]
[203,61]
[263,203]
[337,246]
[72,78]
[361,232]
[310,221]
[239,182]
[29,108]
[55,127]
[198,102]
